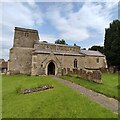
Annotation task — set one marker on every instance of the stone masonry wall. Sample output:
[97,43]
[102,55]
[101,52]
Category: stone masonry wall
[91,75]
[40,62]
[20,60]
[91,62]
[56,47]
[21,54]
[25,37]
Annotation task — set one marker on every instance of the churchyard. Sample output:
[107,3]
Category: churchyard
[58,102]
[109,87]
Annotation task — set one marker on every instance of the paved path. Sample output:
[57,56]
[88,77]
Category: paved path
[110,103]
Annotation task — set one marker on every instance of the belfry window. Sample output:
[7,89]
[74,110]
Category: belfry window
[75,63]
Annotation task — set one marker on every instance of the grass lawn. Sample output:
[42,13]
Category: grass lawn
[59,102]
[108,88]
[0,97]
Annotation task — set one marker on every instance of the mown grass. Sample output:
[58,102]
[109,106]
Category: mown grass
[59,102]
[0,97]
[109,87]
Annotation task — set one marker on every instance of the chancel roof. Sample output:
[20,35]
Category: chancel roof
[82,53]
[92,53]
[57,53]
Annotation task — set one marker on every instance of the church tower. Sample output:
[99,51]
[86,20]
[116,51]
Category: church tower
[21,53]
[25,37]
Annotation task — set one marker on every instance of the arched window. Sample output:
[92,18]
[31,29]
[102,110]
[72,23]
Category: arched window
[75,63]
[97,60]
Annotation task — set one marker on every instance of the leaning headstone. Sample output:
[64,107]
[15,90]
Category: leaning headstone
[78,72]
[84,74]
[75,71]
[91,75]
[64,71]
[68,70]
[70,73]
[97,76]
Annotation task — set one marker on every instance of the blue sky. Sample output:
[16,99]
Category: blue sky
[82,23]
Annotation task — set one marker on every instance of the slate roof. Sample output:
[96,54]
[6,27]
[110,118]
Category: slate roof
[57,53]
[92,53]
[83,53]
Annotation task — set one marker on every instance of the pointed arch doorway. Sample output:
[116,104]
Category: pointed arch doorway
[51,68]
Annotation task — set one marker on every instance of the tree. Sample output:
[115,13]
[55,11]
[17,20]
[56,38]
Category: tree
[75,44]
[62,41]
[45,41]
[83,48]
[112,44]
[97,48]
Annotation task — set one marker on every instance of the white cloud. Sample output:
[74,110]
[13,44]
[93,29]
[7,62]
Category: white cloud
[48,38]
[72,25]
[21,15]
[76,26]
[60,0]
[67,26]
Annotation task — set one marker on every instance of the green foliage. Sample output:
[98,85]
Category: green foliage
[109,87]
[118,86]
[59,102]
[62,41]
[97,48]
[83,48]
[45,41]
[112,44]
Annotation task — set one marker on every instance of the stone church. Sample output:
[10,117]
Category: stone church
[31,57]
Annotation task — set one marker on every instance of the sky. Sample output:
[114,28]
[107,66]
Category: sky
[82,22]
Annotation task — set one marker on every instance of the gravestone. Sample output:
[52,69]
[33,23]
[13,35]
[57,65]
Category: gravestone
[64,71]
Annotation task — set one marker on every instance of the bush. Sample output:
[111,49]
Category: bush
[118,86]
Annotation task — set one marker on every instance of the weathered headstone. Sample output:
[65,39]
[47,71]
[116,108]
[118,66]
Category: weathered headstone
[64,71]
[68,70]
[75,71]
[91,75]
